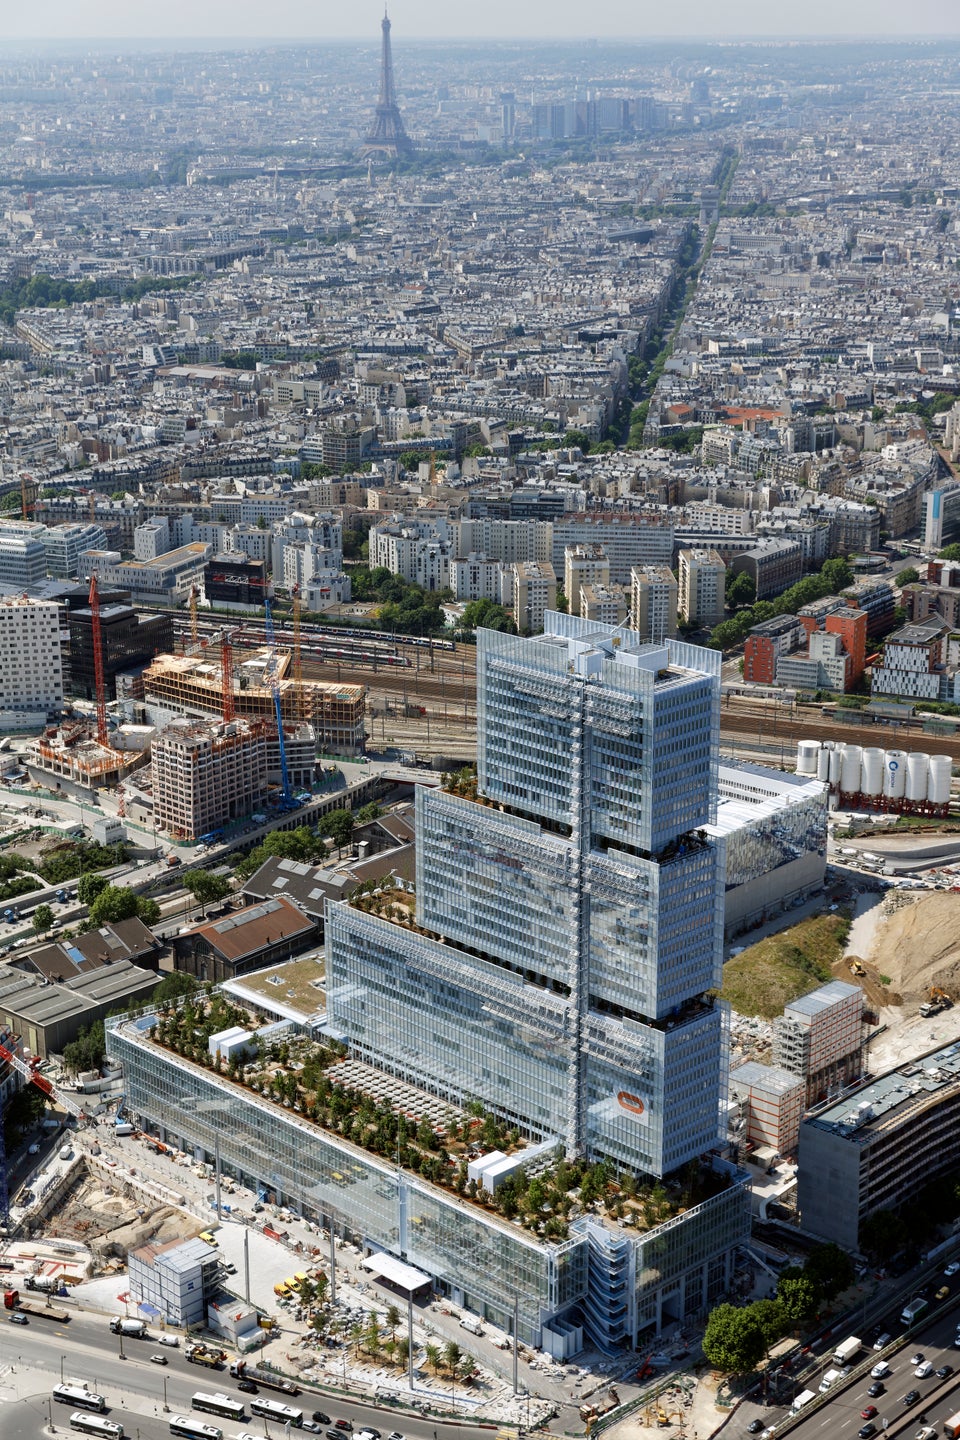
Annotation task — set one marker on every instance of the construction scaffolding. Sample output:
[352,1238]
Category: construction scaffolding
[194,685]
[72,752]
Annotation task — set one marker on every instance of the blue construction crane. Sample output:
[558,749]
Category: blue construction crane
[272,679]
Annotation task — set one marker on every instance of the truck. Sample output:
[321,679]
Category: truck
[913,1310]
[199,1354]
[929,1008]
[845,1352]
[831,1378]
[241,1370]
[12,1301]
[133,1329]
[45,1284]
[802,1399]
[951,1427]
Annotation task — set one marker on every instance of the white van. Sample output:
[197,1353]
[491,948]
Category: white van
[802,1399]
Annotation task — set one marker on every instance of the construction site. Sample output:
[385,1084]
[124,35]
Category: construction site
[196,683]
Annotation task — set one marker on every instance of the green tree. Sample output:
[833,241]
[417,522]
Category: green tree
[578,439]
[89,887]
[338,825]
[206,889]
[830,1269]
[173,986]
[733,1340]
[910,576]
[452,1355]
[488,615]
[87,1051]
[798,1298]
[366,813]
[741,589]
[114,904]
[950,552]
[771,1319]
[42,919]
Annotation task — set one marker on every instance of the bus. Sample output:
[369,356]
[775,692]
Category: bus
[79,1396]
[218,1404]
[94,1425]
[273,1410]
[193,1429]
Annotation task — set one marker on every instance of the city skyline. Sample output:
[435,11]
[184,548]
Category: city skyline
[217,23]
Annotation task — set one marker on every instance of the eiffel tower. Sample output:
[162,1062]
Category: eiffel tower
[386,135]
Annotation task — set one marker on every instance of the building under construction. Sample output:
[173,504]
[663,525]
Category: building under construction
[193,685]
[207,773]
[72,752]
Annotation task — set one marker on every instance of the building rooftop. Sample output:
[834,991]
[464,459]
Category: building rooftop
[858,1117]
[247,931]
[822,998]
[294,989]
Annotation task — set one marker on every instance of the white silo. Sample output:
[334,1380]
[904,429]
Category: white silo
[823,765]
[836,758]
[938,783]
[850,770]
[894,776]
[807,752]
[871,772]
[918,766]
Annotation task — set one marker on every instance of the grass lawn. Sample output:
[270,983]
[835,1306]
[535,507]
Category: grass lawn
[770,974]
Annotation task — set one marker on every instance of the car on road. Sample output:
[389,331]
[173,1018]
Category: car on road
[942,1293]
[917,1359]
[922,1371]
[321,1419]
[367,1433]
[944,1372]
[343,1424]
[877,1389]
[247,1386]
[880,1370]
[168,1340]
[311,1425]
[868,1412]
[396,1435]
[882,1341]
[754,1427]
[952,1268]
[17,1319]
[911,1398]
[867,1430]
[159,1360]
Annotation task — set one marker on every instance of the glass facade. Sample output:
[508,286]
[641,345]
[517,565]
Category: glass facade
[574,913]
[471,1254]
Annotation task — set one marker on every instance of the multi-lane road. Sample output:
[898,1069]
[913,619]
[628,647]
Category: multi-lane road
[36,1357]
[841,1417]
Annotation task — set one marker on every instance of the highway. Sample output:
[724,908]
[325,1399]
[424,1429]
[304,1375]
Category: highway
[841,1416]
[34,1358]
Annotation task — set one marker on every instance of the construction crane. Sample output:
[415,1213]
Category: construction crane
[193,616]
[93,507]
[47,1089]
[226,676]
[272,679]
[297,656]
[98,679]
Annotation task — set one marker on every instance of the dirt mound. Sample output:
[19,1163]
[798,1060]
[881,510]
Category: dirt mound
[917,945]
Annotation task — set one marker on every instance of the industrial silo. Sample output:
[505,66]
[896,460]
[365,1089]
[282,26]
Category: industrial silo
[871,774]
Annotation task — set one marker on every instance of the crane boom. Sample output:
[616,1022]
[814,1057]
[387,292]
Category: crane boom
[41,1081]
[98,678]
[272,679]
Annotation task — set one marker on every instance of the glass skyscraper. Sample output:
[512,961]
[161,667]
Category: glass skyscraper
[570,919]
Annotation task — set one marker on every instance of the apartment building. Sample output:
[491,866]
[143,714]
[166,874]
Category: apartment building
[769,1104]
[766,643]
[773,567]
[603,604]
[31,664]
[583,565]
[912,660]
[702,581]
[205,774]
[653,602]
[534,593]
[627,539]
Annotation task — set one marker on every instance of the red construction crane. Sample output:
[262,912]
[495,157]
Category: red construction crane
[98,679]
[41,1082]
[226,675]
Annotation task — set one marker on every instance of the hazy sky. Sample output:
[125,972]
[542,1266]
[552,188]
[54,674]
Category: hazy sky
[322,19]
